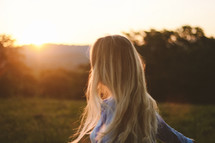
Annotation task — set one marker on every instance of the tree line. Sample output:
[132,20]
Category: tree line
[179,67]
[17,79]
[180,64]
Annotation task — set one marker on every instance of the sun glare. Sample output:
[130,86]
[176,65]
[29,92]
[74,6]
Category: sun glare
[39,47]
[38,33]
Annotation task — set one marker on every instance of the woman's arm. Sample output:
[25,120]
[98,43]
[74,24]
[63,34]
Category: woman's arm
[169,135]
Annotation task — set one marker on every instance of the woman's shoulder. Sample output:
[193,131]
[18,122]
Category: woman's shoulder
[108,104]
[109,101]
[108,108]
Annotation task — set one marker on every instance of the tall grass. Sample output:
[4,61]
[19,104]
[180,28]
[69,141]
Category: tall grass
[37,120]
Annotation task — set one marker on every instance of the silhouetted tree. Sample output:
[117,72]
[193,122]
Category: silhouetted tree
[15,76]
[179,64]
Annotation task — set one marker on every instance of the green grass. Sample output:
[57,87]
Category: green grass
[36,120]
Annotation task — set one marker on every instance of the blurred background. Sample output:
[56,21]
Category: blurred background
[44,62]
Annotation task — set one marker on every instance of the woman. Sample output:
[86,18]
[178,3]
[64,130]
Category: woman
[119,108]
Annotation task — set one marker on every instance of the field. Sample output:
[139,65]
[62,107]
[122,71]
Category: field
[37,120]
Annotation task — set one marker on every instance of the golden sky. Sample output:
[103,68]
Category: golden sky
[83,21]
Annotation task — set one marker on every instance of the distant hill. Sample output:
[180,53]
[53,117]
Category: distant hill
[53,56]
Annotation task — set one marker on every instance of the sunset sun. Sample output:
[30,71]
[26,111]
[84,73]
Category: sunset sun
[38,33]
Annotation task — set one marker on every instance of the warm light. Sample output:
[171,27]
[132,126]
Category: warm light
[36,48]
[83,21]
[39,47]
[38,33]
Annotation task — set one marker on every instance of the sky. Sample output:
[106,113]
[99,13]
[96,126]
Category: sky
[83,21]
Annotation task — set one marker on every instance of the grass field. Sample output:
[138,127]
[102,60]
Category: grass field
[36,120]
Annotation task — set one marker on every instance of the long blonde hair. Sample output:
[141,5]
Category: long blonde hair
[117,66]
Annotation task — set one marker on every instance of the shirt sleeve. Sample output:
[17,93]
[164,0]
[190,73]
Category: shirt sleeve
[169,135]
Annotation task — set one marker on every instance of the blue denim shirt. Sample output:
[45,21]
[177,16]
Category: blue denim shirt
[165,133]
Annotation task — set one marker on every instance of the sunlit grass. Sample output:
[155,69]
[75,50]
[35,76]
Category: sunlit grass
[195,121]
[37,120]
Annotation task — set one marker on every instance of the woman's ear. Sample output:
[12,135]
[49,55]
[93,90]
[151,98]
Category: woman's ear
[144,66]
